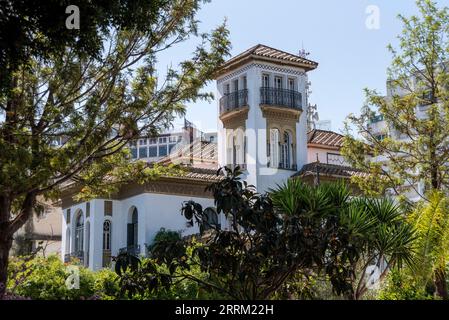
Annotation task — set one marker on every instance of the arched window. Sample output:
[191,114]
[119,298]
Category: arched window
[229,149]
[274,148]
[79,235]
[239,146]
[133,230]
[107,232]
[286,151]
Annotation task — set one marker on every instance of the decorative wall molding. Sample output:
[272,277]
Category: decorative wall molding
[279,69]
[280,113]
[235,119]
[235,73]
[262,66]
[162,185]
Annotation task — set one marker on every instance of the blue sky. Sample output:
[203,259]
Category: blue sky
[350,56]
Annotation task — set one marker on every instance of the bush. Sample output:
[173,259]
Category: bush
[106,285]
[164,236]
[185,289]
[45,279]
[400,285]
[183,285]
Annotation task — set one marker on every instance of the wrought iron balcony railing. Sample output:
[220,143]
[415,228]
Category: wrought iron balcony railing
[132,250]
[284,166]
[281,97]
[233,101]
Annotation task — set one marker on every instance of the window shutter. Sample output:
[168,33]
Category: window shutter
[130,234]
[274,148]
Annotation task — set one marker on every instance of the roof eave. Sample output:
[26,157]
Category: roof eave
[239,61]
[323,146]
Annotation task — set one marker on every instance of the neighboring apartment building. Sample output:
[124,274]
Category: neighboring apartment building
[155,148]
[41,234]
[380,130]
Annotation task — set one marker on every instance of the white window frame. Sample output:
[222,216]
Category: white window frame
[274,147]
[162,140]
[276,82]
[265,80]
[290,82]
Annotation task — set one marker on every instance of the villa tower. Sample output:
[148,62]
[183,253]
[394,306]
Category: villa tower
[262,114]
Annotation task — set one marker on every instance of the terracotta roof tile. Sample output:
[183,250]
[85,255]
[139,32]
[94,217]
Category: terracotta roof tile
[198,159]
[198,152]
[264,52]
[199,174]
[329,170]
[325,138]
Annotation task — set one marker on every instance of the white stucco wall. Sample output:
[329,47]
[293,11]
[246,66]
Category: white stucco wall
[155,211]
[258,174]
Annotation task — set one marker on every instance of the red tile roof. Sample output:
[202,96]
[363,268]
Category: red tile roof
[197,152]
[199,174]
[325,138]
[266,53]
[329,170]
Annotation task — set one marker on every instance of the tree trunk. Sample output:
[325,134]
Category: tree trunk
[440,283]
[5,246]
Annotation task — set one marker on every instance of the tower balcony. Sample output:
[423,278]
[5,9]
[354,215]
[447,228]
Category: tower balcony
[281,98]
[233,101]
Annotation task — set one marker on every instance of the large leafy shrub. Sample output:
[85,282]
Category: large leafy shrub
[273,237]
[402,285]
[163,236]
[45,278]
[106,285]
[167,255]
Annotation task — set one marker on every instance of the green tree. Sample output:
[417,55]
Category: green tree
[93,105]
[432,224]
[37,29]
[417,111]
[45,279]
[418,79]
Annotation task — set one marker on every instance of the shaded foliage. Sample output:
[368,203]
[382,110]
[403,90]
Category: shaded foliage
[271,238]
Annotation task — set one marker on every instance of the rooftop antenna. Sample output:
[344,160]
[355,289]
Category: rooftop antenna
[303,53]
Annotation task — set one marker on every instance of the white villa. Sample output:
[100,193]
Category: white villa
[261,127]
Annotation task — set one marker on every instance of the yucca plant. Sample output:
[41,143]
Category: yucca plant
[362,233]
